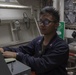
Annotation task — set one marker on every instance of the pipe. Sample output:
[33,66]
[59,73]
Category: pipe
[62,10]
[14,6]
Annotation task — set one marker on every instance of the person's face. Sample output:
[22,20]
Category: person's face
[47,24]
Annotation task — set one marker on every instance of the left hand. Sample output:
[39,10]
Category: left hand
[9,54]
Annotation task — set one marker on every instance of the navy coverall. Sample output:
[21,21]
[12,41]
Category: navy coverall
[51,61]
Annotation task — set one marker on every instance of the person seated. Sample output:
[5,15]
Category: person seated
[47,54]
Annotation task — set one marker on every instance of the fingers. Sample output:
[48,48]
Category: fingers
[6,54]
[9,54]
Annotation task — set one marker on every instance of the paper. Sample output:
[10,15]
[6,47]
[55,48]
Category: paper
[8,60]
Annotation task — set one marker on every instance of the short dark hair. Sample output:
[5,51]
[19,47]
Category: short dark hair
[51,10]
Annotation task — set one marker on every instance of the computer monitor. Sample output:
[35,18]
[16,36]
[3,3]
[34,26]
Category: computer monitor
[4,70]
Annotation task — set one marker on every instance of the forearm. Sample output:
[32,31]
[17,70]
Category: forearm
[10,49]
[39,65]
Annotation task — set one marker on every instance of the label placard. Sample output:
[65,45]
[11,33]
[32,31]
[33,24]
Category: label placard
[60,30]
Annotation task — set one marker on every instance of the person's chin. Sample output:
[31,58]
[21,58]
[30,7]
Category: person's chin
[43,33]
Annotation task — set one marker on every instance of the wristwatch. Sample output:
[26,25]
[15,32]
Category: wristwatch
[17,54]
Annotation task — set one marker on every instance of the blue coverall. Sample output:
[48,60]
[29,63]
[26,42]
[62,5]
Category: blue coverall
[51,61]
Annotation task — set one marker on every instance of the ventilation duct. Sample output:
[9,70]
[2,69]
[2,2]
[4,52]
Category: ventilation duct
[11,9]
[14,1]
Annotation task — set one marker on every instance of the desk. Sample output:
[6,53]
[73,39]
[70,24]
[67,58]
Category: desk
[18,68]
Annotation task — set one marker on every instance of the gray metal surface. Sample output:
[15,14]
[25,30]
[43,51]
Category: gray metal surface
[18,68]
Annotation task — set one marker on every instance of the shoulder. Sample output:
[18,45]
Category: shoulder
[60,46]
[60,42]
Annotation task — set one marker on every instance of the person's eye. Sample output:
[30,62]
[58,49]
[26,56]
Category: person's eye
[46,22]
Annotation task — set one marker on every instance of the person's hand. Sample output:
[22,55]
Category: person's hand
[9,54]
[1,50]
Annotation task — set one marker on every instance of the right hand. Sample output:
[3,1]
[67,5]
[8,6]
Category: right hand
[1,50]
[9,54]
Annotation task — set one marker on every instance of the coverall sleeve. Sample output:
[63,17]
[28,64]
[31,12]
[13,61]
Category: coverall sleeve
[27,49]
